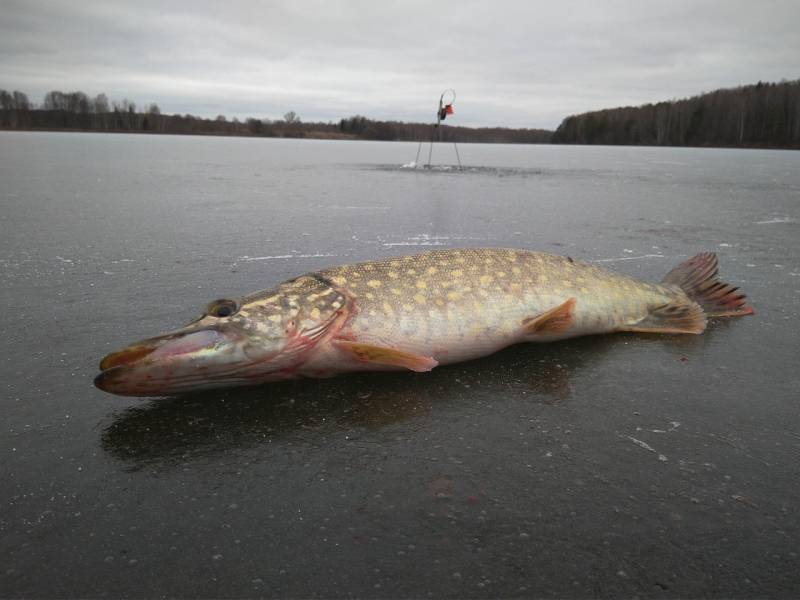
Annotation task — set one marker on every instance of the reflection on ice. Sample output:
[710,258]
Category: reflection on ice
[178,430]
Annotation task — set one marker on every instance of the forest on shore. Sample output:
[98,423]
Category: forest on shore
[764,115]
[76,111]
[760,115]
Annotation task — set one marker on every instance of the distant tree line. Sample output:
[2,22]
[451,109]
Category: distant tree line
[78,112]
[364,128]
[761,115]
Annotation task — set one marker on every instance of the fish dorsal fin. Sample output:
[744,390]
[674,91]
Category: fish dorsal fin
[383,355]
[680,315]
[555,320]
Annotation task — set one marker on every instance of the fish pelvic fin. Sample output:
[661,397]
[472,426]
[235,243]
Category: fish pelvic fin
[680,315]
[382,355]
[555,320]
[697,277]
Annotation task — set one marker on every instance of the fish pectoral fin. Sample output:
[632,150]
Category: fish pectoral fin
[680,315]
[382,355]
[555,320]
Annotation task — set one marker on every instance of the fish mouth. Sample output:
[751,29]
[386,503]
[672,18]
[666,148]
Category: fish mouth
[160,364]
[108,381]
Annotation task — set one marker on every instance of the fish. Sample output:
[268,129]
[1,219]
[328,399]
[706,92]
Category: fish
[414,313]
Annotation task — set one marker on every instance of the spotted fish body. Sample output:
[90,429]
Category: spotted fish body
[456,305]
[414,312]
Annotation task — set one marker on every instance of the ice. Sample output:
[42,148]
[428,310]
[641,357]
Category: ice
[775,220]
[284,256]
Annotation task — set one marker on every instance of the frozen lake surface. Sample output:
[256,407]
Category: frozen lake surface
[625,465]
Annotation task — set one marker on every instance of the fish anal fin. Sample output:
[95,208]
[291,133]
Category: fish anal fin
[383,355]
[681,315]
[555,320]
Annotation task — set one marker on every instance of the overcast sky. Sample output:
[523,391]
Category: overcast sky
[518,64]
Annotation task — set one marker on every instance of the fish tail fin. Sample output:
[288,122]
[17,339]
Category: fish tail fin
[697,277]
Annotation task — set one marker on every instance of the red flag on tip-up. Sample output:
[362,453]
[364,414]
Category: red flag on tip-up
[448,109]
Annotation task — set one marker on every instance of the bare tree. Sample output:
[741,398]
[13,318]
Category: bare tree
[6,100]
[7,113]
[55,100]
[21,101]
[101,103]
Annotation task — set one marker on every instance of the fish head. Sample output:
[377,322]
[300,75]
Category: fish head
[262,337]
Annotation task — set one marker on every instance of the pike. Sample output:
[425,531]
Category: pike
[414,313]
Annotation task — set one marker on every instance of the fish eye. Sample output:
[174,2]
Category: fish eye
[222,308]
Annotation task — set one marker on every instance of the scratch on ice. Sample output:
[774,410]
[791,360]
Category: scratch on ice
[432,240]
[284,256]
[643,256]
[775,220]
[647,447]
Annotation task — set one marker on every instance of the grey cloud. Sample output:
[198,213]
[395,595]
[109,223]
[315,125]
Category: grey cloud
[513,63]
